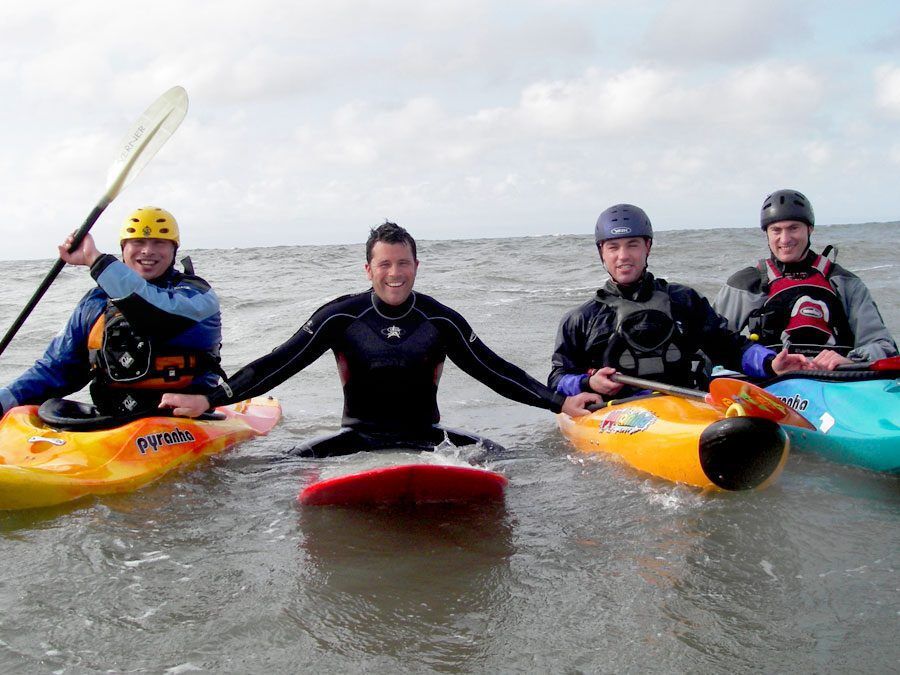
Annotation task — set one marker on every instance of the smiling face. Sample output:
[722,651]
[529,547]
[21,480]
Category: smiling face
[625,259]
[788,240]
[392,271]
[150,258]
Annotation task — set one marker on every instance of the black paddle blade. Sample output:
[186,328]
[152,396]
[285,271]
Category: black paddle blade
[741,453]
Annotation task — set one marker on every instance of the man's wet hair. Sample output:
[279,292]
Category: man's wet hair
[389,233]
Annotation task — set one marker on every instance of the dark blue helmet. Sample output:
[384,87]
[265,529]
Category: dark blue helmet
[621,221]
[786,205]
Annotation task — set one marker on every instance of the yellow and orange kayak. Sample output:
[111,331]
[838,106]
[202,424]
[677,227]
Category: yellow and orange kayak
[683,440]
[42,466]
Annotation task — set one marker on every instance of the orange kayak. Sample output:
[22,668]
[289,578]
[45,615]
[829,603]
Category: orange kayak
[42,466]
[683,440]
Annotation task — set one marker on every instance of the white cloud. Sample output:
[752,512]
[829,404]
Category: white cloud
[662,102]
[894,153]
[819,153]
[595,103]
[769,93]
[887,89]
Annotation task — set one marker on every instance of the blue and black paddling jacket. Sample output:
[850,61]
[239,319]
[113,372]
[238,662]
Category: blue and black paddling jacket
[178,315]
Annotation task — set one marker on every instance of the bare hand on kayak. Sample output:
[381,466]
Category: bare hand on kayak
[829,360]
[576,406]
[786,362]
[85,254]
[185,405]
[601,383]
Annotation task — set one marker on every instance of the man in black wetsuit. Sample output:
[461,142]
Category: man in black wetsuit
[390,344]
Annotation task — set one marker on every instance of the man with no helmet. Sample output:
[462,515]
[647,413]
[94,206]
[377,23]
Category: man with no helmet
[390,344]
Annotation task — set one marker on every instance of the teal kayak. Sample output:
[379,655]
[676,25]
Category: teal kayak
[856,415]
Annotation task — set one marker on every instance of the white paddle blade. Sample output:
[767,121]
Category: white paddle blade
[147,136]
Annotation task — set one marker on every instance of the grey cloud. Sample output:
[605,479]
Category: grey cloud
[697,31]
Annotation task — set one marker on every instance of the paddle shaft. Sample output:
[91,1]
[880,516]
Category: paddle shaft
[724,392]
[684,392]
[52,274]
[640,383]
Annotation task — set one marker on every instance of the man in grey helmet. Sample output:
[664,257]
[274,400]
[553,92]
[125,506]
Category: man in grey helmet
[643,326]
[802,300]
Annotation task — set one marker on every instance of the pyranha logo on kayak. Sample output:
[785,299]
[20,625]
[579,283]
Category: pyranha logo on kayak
[626,421]
[156,441]
[795,402]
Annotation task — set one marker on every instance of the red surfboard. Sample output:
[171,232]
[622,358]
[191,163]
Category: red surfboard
[407,484]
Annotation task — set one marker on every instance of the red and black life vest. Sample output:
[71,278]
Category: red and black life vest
[802,309]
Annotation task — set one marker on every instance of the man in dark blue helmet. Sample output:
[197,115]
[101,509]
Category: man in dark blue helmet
[802,300]
[643,326]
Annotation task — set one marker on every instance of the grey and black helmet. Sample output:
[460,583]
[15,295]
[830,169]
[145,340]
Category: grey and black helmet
[786,205]
[621,221]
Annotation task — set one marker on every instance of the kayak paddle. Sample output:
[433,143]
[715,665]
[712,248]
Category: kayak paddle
[139,146]
[733,397]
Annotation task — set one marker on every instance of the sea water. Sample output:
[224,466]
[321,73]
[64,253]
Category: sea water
[590,566]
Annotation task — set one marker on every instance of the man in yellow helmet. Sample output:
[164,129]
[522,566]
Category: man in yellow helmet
[145,329]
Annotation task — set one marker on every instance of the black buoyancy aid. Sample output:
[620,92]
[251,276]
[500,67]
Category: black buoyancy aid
[129,370]
[647,341]
[802,309]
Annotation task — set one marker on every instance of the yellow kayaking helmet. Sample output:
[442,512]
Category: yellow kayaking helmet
[150,222]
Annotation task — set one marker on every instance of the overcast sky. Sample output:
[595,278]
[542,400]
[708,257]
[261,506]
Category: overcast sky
[311,121]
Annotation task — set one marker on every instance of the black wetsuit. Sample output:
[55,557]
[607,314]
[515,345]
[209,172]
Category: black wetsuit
[390,361]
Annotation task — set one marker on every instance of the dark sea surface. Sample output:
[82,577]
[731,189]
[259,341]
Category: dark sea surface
[590,566]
